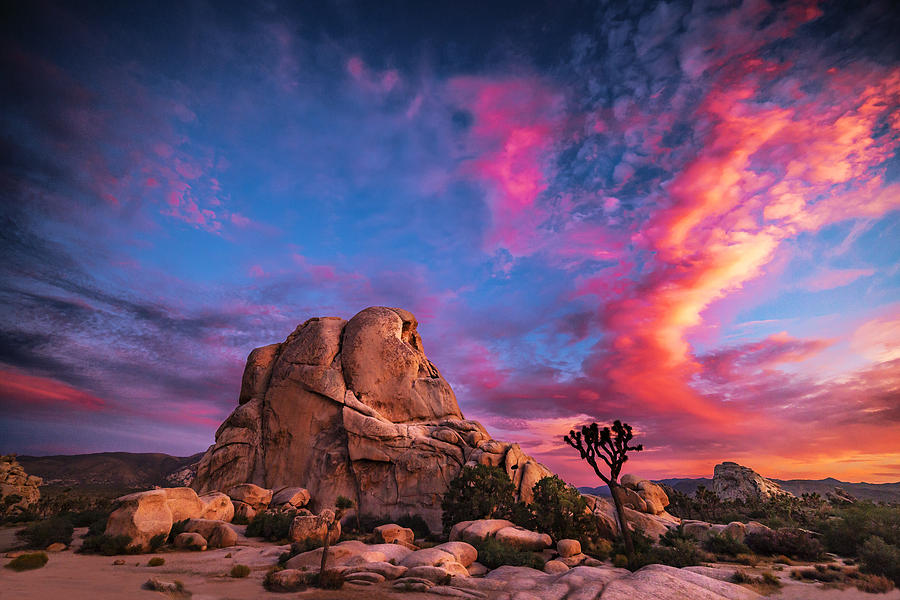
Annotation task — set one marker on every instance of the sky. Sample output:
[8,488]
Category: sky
[679,214]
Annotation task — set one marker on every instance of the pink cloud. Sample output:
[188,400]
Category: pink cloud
[17,389]
[515,128]
[835,278]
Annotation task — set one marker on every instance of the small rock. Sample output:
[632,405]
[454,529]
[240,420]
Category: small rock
[567,548]
[158,585]
[190,541]
[555,566]
[366,576]
[522,539]
[56,547]
[433,574]
[465,554]
[16,553]
[413,584]
[427,557]
[296,497]
[385,569]
[118,562]
[476,569]
[392,532]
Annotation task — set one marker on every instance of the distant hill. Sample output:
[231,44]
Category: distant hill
[877,492]
[109,470]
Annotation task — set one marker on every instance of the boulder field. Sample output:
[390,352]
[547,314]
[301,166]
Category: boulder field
[451,569]
[354,408]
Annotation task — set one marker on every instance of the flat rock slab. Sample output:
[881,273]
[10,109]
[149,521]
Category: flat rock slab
[668,583]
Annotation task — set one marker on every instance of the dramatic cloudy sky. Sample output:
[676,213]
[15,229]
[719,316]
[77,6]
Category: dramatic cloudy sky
[681,214]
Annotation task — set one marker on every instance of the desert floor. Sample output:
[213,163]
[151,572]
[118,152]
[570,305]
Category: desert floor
[71,576]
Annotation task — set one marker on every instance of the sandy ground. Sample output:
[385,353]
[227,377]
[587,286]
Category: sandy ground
[71,576]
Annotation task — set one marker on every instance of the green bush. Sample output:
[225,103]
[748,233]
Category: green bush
[725,544]
[493,554]
[559,510]
[271,524]
[97,527]
[789,542]
[880,558]
[239,571]
[108,545]
[27,562]
[849,527]
[478,492]
[683,553]
[46,532]
[156,561]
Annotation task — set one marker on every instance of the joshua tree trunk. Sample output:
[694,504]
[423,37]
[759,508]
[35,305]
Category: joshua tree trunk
[616,492]
[325,552]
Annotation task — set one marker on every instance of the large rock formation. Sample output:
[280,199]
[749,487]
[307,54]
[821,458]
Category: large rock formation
[18,490]
[354,408]
[731,481]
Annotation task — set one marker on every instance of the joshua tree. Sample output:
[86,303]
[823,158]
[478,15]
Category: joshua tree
[341,505]
[612,447]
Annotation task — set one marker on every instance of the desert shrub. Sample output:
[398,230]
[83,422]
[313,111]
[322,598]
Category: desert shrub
[156,561]
[97,527]
[880,558]
[108,545]
[770,578]
[330,580]
[620,561]
[782,511]
[873,584]
[742,577]
[46,532]
[479,492]
[751,560]
[493,554]
[240,520]
[238,571]
[768,581]
[682,553]
[559,510]
[848,527]
[177,528]
[725,544]
[27,562]
[272,525]
[157,540]
[599,548]
[789,542]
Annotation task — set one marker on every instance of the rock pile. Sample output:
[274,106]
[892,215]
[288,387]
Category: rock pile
[732,481]
[18,490]
[143,516]
[354,408]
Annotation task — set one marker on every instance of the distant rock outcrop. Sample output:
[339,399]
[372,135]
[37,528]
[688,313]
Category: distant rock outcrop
[18,490]
[731,481]
[354,408]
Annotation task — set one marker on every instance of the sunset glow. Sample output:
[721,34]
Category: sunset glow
[681,216]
